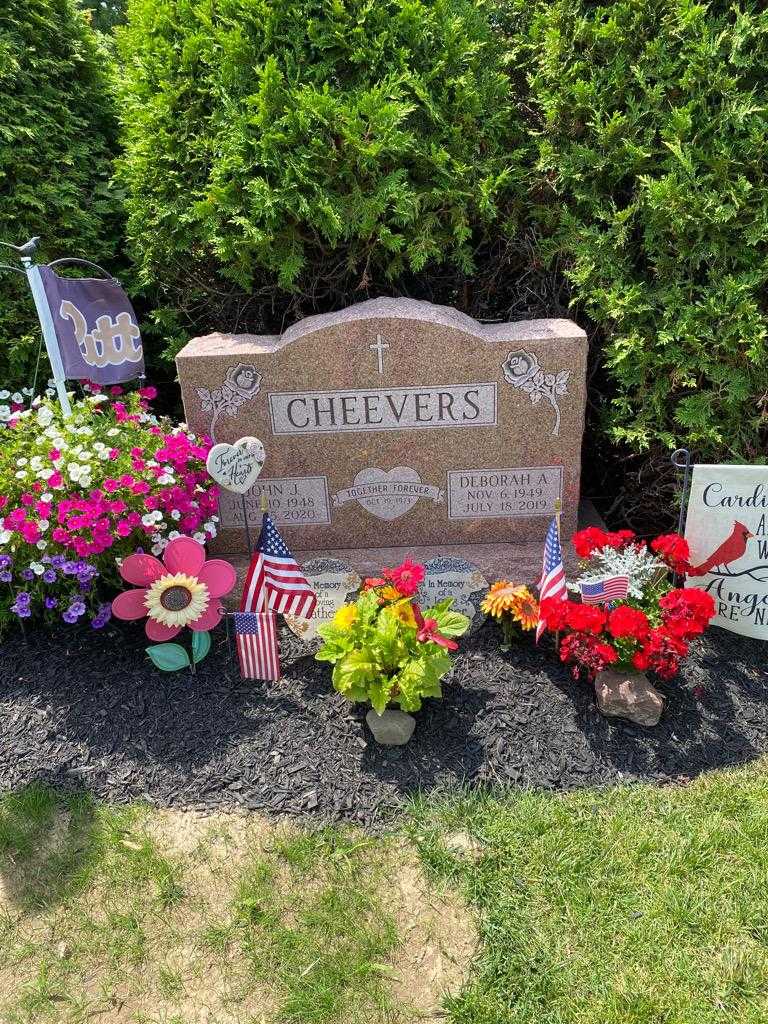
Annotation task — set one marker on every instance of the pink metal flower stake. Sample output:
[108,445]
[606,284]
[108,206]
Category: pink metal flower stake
[182,590]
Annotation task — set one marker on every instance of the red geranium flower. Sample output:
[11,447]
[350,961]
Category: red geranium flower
[687,611]
[673,549]
[554,613]
[627,621]
[586,618]
[592,539]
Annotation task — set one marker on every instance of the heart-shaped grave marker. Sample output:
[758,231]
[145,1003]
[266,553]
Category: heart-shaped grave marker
[236,467]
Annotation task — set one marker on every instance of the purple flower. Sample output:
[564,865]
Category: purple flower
[20,606]
[77,608]
[5,561]
[49,576]
[68,616]
[70,568]
[27,574]
[102,617]
[51,602]
[5,576]
[58,561]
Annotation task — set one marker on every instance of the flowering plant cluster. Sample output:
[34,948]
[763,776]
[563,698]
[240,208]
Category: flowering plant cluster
[513,606]
[78,495]
[650,629]
[384,648]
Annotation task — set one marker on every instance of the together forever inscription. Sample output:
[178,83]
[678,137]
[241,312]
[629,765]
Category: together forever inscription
[397,423]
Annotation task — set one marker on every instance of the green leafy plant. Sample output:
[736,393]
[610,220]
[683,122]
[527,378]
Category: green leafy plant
[57,142]
[653,138]
[384,649]
[300,146]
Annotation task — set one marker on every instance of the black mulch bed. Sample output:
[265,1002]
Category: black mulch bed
[87,710]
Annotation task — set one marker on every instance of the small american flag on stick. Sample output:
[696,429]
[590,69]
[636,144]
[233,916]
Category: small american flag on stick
[257,647]
[275,580]
[552,582]
[609,588]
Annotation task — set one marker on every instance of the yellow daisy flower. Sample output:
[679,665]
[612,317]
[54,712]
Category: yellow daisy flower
[345,616]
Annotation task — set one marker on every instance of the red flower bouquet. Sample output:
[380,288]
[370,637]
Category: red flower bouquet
[651,628]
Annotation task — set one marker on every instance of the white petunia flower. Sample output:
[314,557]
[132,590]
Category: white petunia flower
[199,537]
[5,536]
[44,416]
[17,398]
[21,475]
[175,514]
[37,568]
[5,413]
[4,394]
[22,462]
[42,544]
[113,432]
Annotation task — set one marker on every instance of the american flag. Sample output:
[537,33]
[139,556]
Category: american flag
[552,583]
[256,641]
[275,580]
[610,588]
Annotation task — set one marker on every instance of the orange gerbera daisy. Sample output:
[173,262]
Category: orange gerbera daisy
[525,608]
[501,598]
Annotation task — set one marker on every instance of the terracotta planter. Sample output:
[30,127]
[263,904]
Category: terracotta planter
[627,694]
[393,728]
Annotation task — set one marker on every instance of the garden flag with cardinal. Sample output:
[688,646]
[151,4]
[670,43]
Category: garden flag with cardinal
[727,533]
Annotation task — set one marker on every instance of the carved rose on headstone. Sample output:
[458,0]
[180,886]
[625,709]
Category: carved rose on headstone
[522,370]
[240,385]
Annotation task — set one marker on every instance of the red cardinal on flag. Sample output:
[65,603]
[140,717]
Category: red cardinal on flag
[729,551]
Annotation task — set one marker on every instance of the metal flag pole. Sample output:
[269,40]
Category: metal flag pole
[247,526]
[26,253]
[681,459]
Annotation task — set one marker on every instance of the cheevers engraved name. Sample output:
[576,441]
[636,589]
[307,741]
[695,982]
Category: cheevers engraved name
[414,408]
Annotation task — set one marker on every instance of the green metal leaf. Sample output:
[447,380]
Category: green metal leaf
[201,645]
[168,657]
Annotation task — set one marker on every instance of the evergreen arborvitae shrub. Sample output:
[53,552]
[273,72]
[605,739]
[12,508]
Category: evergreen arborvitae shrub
[301,145]
[57,139]
[654,141]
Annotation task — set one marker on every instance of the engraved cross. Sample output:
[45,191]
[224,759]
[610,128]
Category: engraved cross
[379,349]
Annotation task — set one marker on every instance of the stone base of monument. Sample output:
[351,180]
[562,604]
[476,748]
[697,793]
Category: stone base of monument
[520,562]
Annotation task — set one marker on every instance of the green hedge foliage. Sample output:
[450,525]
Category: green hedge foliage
[652,127]
[301,145]
[57,139]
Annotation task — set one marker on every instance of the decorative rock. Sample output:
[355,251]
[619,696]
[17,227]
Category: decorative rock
[392,729]
[628,695]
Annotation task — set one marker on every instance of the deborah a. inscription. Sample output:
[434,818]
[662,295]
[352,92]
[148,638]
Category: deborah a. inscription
[322,412]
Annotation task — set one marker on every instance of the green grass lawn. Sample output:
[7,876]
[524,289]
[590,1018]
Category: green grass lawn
[632,905]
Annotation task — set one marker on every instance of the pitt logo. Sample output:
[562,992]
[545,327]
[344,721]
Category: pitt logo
[110,343]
